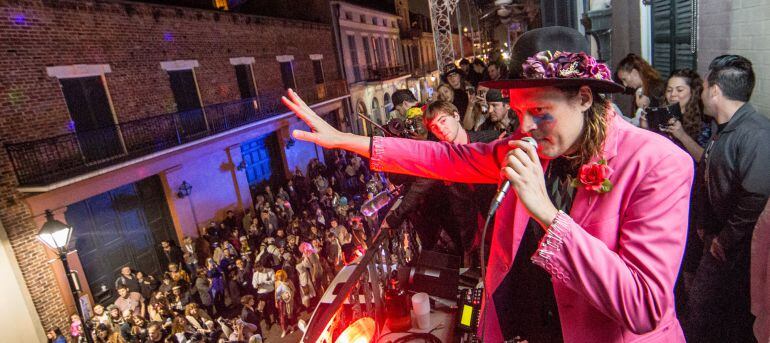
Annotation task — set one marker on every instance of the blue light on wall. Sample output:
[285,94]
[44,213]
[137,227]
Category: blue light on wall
[19,19]
[168,37]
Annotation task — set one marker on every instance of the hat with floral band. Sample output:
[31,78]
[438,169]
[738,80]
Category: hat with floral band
[556,56]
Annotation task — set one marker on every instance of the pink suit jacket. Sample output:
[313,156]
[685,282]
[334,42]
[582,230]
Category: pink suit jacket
[614,271]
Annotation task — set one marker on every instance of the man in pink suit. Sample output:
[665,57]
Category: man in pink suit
[600,206]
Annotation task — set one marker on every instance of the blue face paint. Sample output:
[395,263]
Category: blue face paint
[543,119]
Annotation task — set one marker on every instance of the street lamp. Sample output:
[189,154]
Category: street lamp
[56,235]
[184,190]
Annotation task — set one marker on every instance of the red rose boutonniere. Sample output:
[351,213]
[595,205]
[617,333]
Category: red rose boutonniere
[594,177]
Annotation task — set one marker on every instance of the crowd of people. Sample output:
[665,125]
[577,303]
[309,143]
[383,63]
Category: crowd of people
[714,156]
[276,259]
[263,267]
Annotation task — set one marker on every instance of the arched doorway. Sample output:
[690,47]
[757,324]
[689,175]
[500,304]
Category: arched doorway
[388,103]
[376,112]
[361,109]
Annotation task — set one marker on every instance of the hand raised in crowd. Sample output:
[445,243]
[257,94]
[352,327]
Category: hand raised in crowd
[323,133]
[522,167]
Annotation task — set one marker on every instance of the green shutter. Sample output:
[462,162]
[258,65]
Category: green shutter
[672,27]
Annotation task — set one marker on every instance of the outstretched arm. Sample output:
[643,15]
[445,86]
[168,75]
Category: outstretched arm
[324,134]
[467,163]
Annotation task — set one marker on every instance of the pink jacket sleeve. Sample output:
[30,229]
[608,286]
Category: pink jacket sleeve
[467,163]
[633,285]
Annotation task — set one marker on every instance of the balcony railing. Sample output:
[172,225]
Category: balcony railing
[378,73]
[56,158]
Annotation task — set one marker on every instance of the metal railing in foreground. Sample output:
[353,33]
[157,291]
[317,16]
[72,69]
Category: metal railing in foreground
[359,294]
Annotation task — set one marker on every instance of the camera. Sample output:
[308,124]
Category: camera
[658,117]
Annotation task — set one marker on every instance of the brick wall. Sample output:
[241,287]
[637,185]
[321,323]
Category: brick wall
[739,27]
[133,39]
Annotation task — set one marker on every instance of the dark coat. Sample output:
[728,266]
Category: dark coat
[733,184]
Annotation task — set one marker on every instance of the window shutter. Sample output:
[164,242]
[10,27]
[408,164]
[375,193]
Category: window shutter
[672,23]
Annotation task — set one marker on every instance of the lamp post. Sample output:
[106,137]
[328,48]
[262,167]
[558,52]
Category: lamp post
[56,235]
[184,191]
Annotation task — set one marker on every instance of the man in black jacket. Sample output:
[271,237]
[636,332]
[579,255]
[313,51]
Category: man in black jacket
[435,198]
[732,188]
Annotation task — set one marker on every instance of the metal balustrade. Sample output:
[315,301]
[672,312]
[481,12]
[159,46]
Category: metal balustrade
[52,159]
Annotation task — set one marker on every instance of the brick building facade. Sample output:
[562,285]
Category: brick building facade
[128,42]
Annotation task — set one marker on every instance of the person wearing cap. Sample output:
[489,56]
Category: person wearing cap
[500,118]
[403,100]
[454,77]
[587,245]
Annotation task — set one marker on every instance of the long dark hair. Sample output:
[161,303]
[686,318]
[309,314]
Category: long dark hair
[591,142]
[651,80]
[692,118]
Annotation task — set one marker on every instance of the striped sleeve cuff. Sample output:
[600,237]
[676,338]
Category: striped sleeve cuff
[552,245]
[376,151]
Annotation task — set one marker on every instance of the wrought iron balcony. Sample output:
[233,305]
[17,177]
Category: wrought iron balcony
[373,73]
[52,159]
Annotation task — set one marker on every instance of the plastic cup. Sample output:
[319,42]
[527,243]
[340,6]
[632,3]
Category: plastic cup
[421,308]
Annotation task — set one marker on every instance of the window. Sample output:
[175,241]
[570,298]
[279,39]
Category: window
[89,107]
[244,76]
[376,58]
[287,75]
[363,18]
[354,57]
[348,16]
[386,43]
[374,20]
[385,22]
[672,26]
[188,102]
[367,53]
[318,72]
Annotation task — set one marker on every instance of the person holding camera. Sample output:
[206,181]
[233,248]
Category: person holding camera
[692,131]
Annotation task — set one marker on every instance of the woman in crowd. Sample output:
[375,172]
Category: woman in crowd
[199,319]
[177,274]
[605,253]
[693,131]
[284,300]
[249,313]
[305,271]
[181,329]
[105,334]
[635,73]
[216,286]
[138,329]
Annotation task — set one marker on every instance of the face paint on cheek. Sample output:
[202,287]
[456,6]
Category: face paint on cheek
[546,119]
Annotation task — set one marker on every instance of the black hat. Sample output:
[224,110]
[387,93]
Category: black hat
[449,70]
[497,95]
[560,58]
[402,95]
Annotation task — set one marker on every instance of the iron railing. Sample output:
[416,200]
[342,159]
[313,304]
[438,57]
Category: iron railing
[378,73]
[56,158]
[362,293]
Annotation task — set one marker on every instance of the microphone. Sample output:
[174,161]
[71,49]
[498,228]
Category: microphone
[506,184]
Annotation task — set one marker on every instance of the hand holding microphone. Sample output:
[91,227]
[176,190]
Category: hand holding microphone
[524,173]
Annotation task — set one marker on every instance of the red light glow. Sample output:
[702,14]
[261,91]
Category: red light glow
[361,331]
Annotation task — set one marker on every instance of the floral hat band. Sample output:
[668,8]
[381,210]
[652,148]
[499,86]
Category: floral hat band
[561,68]
[565,65]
